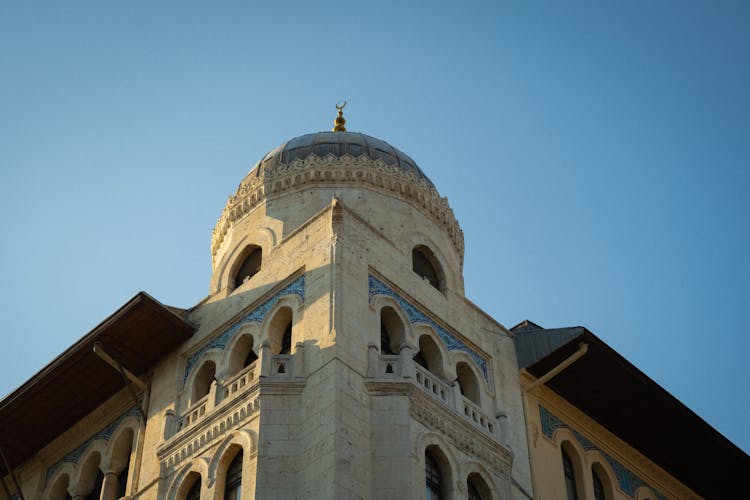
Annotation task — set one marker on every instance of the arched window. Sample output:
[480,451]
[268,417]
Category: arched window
[598,486]
[280,332]
[433,477]
[120,461]
[242,354]
[97,491]
[194,493]
[233,482]
[473,493]
[59,490]
[391,331]
[602,485]
[91,478]
[429,355]
[202,382]
[477,487]
[251,263]
[425,264]
[571,490]
[467,382]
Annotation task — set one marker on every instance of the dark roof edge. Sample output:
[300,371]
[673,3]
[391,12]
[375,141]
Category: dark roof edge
[137,299]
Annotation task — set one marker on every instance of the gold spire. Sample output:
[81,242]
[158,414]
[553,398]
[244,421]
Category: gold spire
[338,123]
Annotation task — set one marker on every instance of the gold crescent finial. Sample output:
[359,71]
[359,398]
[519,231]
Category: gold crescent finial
[338,123]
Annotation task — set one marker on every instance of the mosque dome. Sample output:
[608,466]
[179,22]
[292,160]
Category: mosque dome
[347,161]
[337,144]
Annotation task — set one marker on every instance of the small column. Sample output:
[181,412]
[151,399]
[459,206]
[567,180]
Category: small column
[169,423]
[407,361]
[211,399]
[109,486]
[265,359]
[458,398]
[298,360]
[373,360]
[502,426]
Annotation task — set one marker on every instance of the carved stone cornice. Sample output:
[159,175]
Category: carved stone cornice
[453,427]
[345,170]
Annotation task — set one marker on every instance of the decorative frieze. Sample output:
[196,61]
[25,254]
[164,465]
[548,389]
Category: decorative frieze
[104,434]
[256,315]
[416,315]
[332,170]
[628,481]
[461,434]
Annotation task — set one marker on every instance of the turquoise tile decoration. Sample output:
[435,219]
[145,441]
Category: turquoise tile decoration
[377,287]
[627,480]
[296,287]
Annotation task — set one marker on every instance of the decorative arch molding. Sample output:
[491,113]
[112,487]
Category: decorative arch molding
[199,466]
[419,239]
[381,301]
[251,330]
[130,423]
[214,356]
[255,315]
[597,461]
[474,467]
[553,428]
[264,237]
[78,482]
[66,469]
[422,330]
[244,438]
[104,435]
[430,438]
[292,302]
[416,315]
[459,356]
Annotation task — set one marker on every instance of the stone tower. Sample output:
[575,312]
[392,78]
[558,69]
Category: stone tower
[339,265]
[335,357]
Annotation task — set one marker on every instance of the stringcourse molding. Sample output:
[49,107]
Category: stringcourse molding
[377,175]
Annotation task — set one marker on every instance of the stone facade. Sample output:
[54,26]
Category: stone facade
[334,416]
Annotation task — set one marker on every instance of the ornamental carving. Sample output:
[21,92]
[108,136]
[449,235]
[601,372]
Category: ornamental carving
[346,170]
[462,436]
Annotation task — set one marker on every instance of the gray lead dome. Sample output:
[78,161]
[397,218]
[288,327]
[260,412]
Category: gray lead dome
[338,144]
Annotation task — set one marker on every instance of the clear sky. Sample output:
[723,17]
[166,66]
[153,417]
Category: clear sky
[596,155]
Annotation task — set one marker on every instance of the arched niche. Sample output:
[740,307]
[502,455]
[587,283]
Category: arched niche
[602,482]
[247,264]
[241,352]
[468,383]
[89,476]
[279,330]
[438,473]
[201,383]
[477,487]
[59,488]
[427,266]
[392,330]
[572,471]
[430,356]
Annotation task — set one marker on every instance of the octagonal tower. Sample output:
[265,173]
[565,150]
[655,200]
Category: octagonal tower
[336,349]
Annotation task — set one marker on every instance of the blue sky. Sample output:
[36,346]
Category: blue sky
[596,156]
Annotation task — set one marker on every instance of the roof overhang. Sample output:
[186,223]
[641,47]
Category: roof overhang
[76,382]
[625,401]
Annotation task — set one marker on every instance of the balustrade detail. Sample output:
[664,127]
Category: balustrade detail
[392,367]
